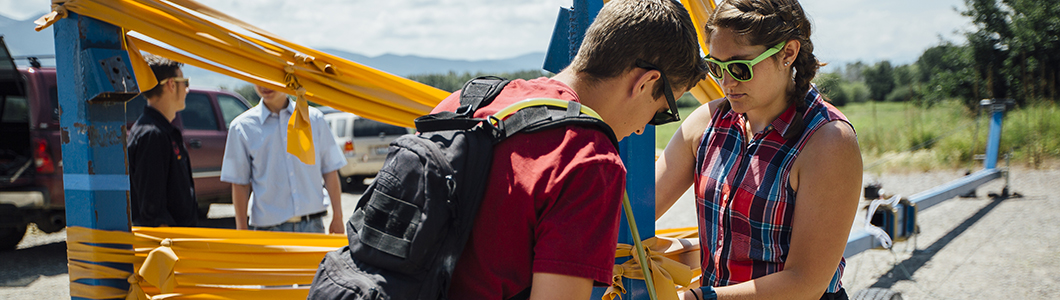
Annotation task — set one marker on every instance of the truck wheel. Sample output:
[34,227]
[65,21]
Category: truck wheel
[204,210]
[877,294]
[353,184]
[10,236]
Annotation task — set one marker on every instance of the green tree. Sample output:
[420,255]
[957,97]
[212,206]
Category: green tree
[854,72]
[453,81]
[989,43]
[905,80]
[880,80]
[1014,47]
[1032,66]
[948,71]
[857,92]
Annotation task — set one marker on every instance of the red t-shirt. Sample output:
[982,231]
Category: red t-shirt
[552,204]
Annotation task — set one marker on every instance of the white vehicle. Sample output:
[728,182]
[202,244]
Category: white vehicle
[364,142]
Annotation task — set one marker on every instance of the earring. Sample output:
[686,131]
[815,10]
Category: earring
[787,63]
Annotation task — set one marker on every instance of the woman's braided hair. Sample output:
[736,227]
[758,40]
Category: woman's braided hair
[769,22]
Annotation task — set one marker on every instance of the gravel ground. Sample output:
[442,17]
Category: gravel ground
[968,248]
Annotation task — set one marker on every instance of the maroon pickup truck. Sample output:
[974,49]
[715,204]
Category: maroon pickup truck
[31,187]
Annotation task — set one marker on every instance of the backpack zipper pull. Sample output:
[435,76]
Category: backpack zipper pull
[451,184]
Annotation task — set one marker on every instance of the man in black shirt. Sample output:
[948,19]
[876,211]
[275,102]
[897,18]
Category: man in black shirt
[162,192]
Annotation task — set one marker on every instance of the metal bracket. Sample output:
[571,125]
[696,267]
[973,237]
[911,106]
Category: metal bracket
[111,75]
[119,76]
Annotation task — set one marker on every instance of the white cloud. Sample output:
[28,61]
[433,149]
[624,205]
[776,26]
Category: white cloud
[451,29]
[845,30]
[24,9]
[871,31]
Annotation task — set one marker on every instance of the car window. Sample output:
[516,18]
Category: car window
[53,96]
[340,128]
[16,110]
[134,108]
[198,113]
[364,127]
[230,108]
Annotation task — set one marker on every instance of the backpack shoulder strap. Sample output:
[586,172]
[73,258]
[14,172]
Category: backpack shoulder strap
[540,114]
[477,93]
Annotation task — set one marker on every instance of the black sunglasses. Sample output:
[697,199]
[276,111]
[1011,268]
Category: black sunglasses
[670,115]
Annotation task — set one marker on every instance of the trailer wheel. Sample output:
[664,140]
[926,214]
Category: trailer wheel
[10,236]
[877,294]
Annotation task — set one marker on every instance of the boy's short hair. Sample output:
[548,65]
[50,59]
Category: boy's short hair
[162,68]
[659,32]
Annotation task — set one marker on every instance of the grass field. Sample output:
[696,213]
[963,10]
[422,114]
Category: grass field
[897,137]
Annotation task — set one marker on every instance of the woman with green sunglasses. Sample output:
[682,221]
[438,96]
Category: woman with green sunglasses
[776,170]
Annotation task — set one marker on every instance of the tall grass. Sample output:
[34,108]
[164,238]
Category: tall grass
[897,136]
[1033,133]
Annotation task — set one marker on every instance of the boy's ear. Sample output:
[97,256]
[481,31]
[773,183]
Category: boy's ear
[645,81]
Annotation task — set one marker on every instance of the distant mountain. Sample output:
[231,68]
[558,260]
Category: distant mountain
[404,65]
[22,40]
[401,65]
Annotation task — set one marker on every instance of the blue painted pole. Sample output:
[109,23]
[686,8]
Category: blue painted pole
[94,79]
[993,143]
[637,151]
[638,154]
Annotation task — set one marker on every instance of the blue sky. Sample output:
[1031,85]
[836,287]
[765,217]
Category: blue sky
[845,30]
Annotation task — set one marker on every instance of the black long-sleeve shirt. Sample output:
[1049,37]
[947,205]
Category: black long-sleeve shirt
[161,187]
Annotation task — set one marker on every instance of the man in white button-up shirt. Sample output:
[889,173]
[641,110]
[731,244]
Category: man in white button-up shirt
[281,192]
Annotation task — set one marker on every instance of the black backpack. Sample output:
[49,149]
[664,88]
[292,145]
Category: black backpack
[412,223]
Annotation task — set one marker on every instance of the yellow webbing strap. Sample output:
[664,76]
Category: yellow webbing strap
[204,263]
[267,60]
[670,257]
[197,263]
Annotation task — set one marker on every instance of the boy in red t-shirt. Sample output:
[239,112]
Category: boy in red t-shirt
[549,217]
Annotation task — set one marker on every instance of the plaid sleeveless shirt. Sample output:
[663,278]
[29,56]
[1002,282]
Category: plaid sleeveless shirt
[743,197]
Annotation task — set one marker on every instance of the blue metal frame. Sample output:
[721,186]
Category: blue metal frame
[859,241]
[571,25]
[997,107]
[637,151]
[92,124]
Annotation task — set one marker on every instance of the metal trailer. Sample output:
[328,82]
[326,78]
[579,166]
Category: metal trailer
[900,222]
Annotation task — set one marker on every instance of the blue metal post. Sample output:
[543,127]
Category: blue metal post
[638,154]
[993,144]
[637,151]
[571,25]
[94,80]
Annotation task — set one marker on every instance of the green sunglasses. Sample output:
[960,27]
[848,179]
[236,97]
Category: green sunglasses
[741,70]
